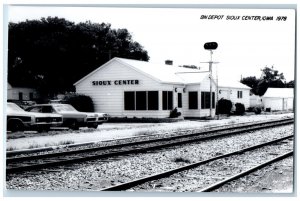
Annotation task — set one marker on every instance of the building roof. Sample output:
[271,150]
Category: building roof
[232,84]
[279,93]
[160,72]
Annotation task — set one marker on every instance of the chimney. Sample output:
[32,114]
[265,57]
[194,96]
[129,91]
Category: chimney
[169,62]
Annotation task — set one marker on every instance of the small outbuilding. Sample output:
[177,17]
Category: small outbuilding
[21,93]
[278,99]
[234,91]
[131,88]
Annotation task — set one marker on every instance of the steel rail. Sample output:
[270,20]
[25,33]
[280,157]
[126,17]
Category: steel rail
[168,173]
[203,129]
[64,153]
[53,162]
[244,173]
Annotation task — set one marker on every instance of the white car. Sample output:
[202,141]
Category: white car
[72,118]
[19,120]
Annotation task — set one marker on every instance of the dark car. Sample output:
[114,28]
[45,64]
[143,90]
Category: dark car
[71,117]
[19,120]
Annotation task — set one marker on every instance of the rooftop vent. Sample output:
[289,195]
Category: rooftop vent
[169,62]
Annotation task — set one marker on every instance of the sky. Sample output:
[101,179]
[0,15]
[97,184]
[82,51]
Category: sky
[244,46]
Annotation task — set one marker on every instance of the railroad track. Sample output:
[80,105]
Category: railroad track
[35,162]
[157,177]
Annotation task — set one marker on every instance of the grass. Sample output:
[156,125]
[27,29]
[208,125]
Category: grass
[10,148]
[66,142]
[137,133]
[232,122]
[34,146]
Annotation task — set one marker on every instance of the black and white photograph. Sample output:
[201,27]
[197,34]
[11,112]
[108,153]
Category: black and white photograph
[159,99]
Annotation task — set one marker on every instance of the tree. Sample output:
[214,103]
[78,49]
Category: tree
[290,84]
[269,74]
[251,81]
[53,53]
[269,78]
[261,88]
[273,78]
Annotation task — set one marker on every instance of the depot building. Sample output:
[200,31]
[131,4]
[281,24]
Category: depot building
[131,88]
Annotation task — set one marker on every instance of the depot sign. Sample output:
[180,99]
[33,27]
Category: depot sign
[115,82]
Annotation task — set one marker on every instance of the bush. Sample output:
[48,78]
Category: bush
[224,106]
[257,110]
[174,113]
[239,109]
[80,102]
[250,109]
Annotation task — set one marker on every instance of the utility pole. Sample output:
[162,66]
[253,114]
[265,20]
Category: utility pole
[210,83]
[210,46]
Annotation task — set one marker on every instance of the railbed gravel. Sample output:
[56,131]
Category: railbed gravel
[215,171]
[265,179]
[95,175]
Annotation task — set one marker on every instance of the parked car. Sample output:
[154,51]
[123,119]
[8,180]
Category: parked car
[19,120]
[71,117]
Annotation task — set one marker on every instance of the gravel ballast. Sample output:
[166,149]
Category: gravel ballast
[96,175]
[275,178]
[208,174]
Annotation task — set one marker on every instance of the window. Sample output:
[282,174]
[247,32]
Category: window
[193,100]
[141,100]
[47,109]
[35,109]
[152,100]
[129,100]
[30,96]
[170,100]
[167,100]
[179,100]
[205,100]
[240,94]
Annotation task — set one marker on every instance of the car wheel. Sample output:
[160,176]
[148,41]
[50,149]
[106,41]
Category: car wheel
[74,125]
[95,126]
[43,128]
[15,125]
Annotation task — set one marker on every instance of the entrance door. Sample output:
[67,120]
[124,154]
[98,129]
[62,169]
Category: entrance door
[20,96]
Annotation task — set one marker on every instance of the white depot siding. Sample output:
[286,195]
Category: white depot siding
[232,95]
[203,87]
[110,98]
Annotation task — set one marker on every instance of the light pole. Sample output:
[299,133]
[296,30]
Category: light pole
[210,46]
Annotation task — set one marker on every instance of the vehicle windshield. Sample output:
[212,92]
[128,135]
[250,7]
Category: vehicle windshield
[11,107]
[64,108]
